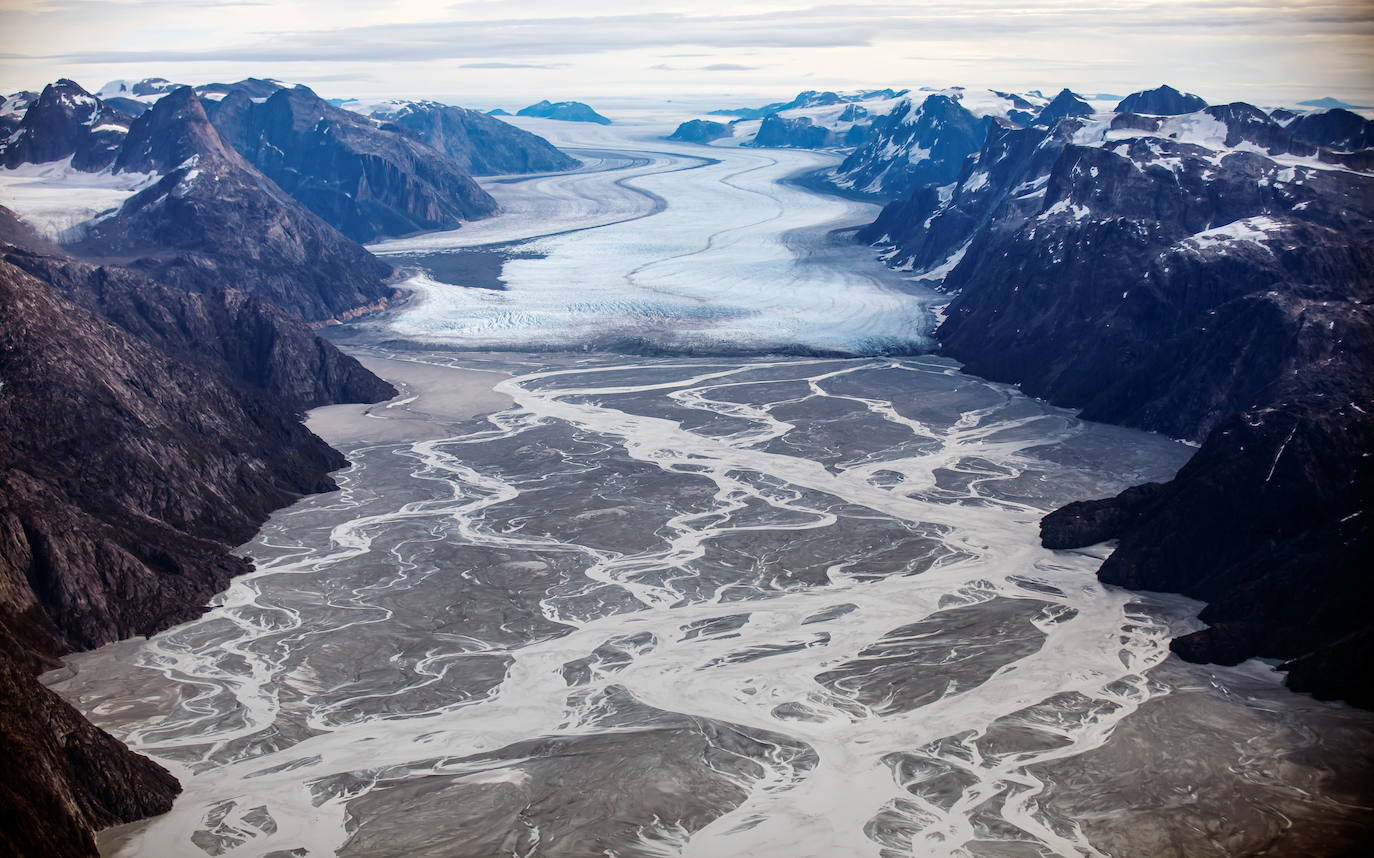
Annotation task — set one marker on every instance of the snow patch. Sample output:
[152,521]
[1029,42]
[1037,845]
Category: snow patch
[57,200]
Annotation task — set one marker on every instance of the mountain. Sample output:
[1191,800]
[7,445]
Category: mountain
[814,120]
[799,133]
[213,219]
[1206,276]
[255,88]
[476,142]
[203,217]
[810,98]
[363,180]
[1062,106]
[566,111]
[12,108]
[1161,101]
[169,431]
[700,131]
[915,145]
[1333,129]
[64,122]
[134,96]
[1329,103]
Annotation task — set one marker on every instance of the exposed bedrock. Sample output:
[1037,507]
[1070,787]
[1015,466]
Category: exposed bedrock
[1182,274]
[144,430]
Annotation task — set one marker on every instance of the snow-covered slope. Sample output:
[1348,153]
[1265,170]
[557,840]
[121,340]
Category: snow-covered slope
[927,136]
[812,120]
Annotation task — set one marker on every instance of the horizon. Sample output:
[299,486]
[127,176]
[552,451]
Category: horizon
[496,53]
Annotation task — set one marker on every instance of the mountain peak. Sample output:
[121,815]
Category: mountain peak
[1163,100]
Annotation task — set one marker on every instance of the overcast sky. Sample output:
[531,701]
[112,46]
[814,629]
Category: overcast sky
[510,52]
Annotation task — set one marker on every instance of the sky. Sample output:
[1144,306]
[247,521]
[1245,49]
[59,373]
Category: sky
[508,53]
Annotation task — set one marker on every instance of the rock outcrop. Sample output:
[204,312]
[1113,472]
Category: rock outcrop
[1161,101]
[565,111]
[1063,106]
[700,131]
[798,133]
[64,778]
[1334,129]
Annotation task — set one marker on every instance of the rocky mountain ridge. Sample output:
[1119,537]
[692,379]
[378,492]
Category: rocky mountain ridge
[479,143]
[362,179]
[169,432]
[1207,275]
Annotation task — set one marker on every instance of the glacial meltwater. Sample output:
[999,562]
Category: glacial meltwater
[573,603]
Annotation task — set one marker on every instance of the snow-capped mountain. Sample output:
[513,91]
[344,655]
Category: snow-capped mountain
[1205,275]
[926,141]
[135,96]
[66,122]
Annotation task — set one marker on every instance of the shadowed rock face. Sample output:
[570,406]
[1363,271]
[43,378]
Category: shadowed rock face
[1162,101]
[366,182]
[146,469]
[65,121]
[134,452]
[1335,129]
[64,777]
[213,219]
[478,143]
[941,129]
[1182,286]
[243,337]
[567,111]
[700,131]
[1064,105]
[798,133]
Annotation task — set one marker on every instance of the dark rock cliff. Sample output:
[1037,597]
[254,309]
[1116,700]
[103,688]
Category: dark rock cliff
[700,131]
[799,133]
[64,122]
[1335,129]
[144,430]
[63,777]
[213,219]
[1161,101]
[1166,273]
[360,178]
[240,336]
[478,143]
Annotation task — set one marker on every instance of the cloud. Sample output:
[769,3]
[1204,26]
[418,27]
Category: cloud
[500,65]
[826,26]
[728,67]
